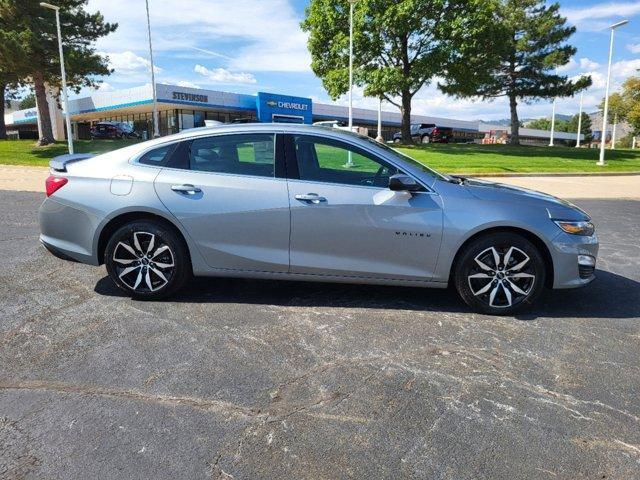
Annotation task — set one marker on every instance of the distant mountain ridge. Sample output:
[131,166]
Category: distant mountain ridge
[507,122]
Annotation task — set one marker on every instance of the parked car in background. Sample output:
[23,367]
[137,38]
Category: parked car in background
[342,125]
[439,135]
[281,202]
[113,130]
[331,124]
[427,133]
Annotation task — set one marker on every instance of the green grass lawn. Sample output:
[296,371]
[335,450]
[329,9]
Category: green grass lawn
[475,159]
[25,152]
[446,158]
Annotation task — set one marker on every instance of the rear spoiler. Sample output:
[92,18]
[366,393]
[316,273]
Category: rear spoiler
[59,164]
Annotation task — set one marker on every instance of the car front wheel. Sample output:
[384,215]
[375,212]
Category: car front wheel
[147,260]
[500,273]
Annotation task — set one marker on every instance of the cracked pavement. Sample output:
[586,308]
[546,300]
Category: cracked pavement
[252,379]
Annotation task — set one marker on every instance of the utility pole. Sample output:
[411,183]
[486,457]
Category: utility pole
[379,138]
[156,127]
[553,122]
[579,122]
[613,134]
[350,163]
[65,98]
[603,135]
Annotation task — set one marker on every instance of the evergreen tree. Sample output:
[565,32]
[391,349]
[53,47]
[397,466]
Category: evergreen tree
[585,127]
[29,101]
[517,59]
[540,124]
[29,43]
[7,93]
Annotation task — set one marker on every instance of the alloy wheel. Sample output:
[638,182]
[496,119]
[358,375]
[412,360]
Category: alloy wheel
[143,262]
[502,277]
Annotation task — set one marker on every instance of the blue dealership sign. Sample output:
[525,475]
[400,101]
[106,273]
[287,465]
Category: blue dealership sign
[284,108]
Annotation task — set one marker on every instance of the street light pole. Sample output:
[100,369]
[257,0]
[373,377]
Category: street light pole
[613,134]
[379,138]
[65,98]
[603,135]
[579,122]
[156,129]
[553,122]
[351,4]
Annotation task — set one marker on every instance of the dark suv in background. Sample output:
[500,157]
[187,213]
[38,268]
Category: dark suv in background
[113,130]
[427,133]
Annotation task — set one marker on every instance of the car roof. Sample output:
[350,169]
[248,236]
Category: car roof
[257,128]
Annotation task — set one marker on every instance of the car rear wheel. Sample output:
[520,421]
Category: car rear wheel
[500,273]
[426,139]
[147,260]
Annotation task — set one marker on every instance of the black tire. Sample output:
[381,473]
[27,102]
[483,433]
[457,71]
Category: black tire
[506,289]
[166,261]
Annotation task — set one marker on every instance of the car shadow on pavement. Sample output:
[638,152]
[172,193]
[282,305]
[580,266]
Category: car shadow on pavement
[609,296]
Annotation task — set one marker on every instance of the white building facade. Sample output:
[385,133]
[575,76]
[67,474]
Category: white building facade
[181,108]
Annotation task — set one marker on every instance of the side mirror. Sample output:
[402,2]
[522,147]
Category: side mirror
[403,183]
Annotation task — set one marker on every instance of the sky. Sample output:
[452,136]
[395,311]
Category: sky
[248,46]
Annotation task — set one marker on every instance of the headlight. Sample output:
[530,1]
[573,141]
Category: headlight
[576,228]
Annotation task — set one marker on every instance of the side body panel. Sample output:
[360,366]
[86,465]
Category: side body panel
[237,222]
[364,231]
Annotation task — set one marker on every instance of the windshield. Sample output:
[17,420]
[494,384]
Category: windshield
[407,159]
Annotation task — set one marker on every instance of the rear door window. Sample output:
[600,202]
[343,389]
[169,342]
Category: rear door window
[241,154]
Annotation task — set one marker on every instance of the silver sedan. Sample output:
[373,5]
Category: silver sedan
[294,202]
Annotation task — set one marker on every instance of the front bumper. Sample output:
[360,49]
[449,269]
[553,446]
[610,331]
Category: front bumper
[574,260]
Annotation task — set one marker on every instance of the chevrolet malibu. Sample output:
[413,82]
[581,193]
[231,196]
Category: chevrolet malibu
[295,202]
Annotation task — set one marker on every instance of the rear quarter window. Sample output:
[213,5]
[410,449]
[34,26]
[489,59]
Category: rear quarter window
[157,156]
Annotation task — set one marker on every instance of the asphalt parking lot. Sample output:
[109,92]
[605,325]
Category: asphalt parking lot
[252,379]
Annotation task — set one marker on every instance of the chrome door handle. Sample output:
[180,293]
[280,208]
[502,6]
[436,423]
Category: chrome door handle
[312,198]
[186,188]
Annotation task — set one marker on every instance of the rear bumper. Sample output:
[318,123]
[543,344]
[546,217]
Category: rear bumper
[574,260]
[67,232]
[56,252]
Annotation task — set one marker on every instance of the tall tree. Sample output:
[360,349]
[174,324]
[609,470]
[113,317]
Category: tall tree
[7,93]
[545,124]
[9,78]
[625,104]
[399,45]
[585,126]
[631,94]
[619,107]
[28,101]
[518,59]
[33,29]
[540,124]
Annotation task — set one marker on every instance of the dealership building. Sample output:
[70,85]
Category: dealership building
[182,108]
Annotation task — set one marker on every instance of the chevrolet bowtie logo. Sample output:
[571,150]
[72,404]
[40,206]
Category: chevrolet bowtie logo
[272,103]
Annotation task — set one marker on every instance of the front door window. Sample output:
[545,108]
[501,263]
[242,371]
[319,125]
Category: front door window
[328,161]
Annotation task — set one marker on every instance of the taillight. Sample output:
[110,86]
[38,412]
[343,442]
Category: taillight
[53,184]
